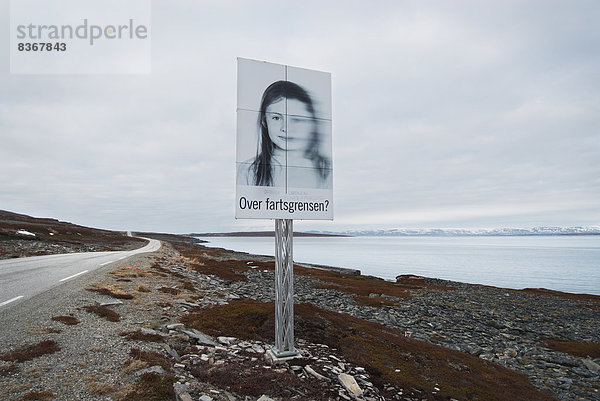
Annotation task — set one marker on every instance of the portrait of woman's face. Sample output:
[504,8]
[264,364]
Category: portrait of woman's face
[287,130]
[284,140]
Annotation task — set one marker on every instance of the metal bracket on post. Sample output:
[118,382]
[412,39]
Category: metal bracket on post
[284,289]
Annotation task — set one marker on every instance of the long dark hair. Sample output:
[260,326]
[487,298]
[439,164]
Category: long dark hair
[261,167]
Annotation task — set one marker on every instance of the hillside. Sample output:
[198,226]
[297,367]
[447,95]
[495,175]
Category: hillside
[22,235]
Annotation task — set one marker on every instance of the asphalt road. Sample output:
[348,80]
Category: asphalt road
[23,278]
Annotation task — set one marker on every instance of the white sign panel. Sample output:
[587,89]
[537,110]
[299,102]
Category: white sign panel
[283,156]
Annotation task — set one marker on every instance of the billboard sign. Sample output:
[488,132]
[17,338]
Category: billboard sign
[283,148]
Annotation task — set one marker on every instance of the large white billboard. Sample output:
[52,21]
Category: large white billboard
[283,152]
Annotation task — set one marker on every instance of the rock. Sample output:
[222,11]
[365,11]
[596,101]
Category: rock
[187,304]
[230,396]
[180,388]
[226,340]
[583,372]
[181,392]
[172,352]
[205,398]
[184,397]
[591,365]
[200,337]
[265,398]
[350,384]
[175,326]
[152,369]
[111,303]
[257,348]
[563,360]
[147,331]
[312,372]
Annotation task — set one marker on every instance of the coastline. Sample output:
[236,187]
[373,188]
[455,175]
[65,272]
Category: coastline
[513,328]
[567,264]
[351,271]
[414,339]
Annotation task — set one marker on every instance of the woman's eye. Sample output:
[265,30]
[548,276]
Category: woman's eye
[276,118]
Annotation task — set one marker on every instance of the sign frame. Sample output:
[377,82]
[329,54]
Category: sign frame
[284,167]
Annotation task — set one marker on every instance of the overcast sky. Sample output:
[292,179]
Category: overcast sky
[445,114]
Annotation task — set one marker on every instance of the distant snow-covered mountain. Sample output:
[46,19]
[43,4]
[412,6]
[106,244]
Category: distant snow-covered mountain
[468,232]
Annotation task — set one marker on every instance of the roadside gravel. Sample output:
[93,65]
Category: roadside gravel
[91,353]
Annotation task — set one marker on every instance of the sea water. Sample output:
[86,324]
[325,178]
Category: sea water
[562,263]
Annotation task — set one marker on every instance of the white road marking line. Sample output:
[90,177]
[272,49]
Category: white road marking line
[105,263]
[11,300]
[74,275]
[123,257]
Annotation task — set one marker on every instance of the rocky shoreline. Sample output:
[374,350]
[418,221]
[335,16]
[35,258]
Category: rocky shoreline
[503,326]
[510,328]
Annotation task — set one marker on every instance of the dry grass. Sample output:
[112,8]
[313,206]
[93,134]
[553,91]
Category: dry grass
[30,352]
[188,285]
[364,286]
[210,261]
[410,281]
[152,387]
[42,330]
[142,288]
[566,295]
[134,365]
[166,272]
[14,388]
[386,353]
[251,379]
[112,290]
[33,372]
[229,270]
[241,320]
[104,312]
[139,336]
[152,358]
[374,301]
[575,348]
[127,272]
[100,388]
[7,369]
[68,320]
[37,396]
[353,283]
[169,290]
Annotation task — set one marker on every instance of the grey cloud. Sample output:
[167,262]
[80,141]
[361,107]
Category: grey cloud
[461,113]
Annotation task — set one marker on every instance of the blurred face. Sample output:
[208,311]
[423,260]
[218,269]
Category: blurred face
[292,131]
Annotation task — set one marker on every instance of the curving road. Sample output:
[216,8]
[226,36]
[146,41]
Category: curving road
[25,277]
